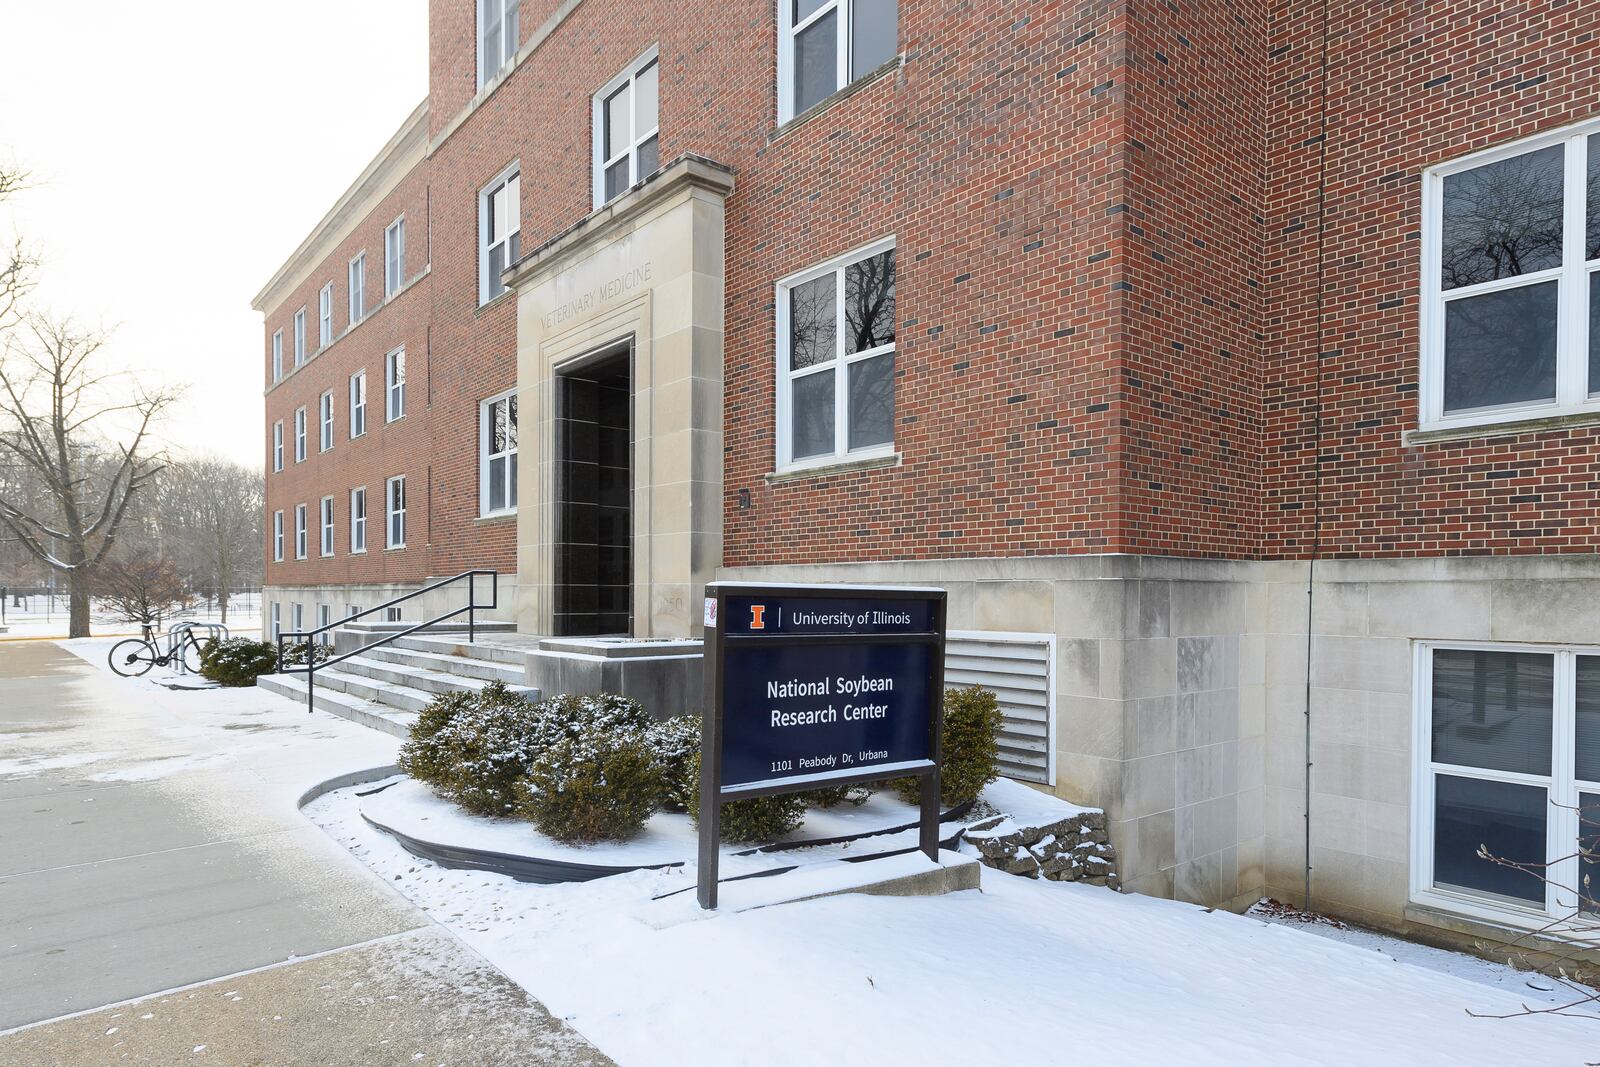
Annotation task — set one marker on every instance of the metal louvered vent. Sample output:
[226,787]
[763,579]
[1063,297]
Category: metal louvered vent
[1020,670]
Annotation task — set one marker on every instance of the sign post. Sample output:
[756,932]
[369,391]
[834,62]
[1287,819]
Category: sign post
[810,687]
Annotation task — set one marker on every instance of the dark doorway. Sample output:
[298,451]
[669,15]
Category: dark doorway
[594,516]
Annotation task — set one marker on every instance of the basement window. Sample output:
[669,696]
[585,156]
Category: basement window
[836,345]
[1511,282]
[1509,742]
[825,45]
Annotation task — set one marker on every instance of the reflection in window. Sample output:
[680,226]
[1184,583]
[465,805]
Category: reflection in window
[1502,219]
[1500,348]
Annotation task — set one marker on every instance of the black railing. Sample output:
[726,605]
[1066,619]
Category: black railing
[470,609]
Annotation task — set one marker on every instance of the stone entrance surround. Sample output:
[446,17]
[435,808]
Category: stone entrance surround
[646,270]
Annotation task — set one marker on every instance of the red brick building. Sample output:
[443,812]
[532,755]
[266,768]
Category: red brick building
[1238,355]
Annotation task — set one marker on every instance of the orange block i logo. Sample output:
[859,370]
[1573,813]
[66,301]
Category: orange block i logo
[758,616]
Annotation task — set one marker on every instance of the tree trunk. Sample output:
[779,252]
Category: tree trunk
[78,602]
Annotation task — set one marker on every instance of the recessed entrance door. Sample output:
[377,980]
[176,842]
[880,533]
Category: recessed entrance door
[594,513]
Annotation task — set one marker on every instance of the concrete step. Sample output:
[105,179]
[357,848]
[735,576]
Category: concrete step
[444,646]
[389,720]
[394,694]
[433,682]
[449,626]
[462,666]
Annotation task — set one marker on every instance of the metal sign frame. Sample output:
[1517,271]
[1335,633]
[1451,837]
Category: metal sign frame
[717,644]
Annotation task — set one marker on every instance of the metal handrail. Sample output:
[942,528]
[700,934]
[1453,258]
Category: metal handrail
[471,609]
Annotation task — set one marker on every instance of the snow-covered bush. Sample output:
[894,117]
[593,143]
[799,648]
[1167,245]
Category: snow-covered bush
[599,788]
[971,747]
[677,747]
[474,747]
[238,661]
[758,819]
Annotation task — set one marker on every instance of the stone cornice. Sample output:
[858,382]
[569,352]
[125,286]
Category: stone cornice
[407,148]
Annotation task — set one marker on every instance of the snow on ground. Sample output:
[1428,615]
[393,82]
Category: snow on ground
[53,624]
[148,732]
[1022,971]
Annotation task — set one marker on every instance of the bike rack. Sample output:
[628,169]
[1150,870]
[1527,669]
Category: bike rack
[470,609]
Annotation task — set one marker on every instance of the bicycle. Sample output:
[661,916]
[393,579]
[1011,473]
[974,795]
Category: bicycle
[136,655]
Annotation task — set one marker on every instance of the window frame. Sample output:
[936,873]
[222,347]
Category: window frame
[390,512]
[394,257]
[394,385]
[277,447]
[325,316]
[300,337]
[1575,395]
[275,619]
[356,280]
[599,161]
[277,536]
[789,31]
[783,437]
[300,443]
[277,354]
[358,521]
[325,428]
[485,457]
[301,534]
[1563,791]
[485,196]
[326,520]
[358,407]
[510,43]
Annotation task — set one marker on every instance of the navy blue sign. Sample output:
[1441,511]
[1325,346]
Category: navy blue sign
[781,615]
[792,711]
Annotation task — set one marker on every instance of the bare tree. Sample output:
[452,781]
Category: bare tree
[58,410]
[18,262]
[210,508]
[143,587]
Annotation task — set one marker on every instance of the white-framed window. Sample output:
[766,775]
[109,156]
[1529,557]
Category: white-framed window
[297,617]
[277,355]
[299,531]
[395,503]
[277,537]
[499,223]
[391,614]
[300,435]
[394,385]
[358,404]
[626,127]
[394,257]
[835,348]
[299,337]
[277,619]
[326,515]
[324,618]
[277,445]
[325,316]
[824,45]
[498,37]
[1508,744]
[358,288]
[325,419]
[497,454]
[358,520]
[1511,282]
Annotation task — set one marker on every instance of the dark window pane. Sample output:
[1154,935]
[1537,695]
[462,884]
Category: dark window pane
[812,322]
[812,415]
[1594,332]
[1588,721]
[1502,219]
[1592,243]
[1505,820]
[869,303]
[1500,348]
[511,489]
[874,28]
[649,158]
[816,61]
[617,178]
[872,401]
[1589,852]
[1493,709]
[497,483]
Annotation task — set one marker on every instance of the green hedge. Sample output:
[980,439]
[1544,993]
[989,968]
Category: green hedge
[238,661]
[971,746]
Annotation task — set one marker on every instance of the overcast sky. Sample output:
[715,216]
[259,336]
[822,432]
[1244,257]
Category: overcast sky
[181,150]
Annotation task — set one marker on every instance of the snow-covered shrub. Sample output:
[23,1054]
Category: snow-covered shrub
[971,746]
[474,747]
[295,655]
[758,819]
[676,743]
[428,754]
[238,661]
[598,788]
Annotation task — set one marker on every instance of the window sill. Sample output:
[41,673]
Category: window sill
[1509,428]
[846,465]
[827,103]
[497,516]
[394,548]
[493,300]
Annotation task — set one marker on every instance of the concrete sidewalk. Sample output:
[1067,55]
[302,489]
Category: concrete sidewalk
[127,882]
